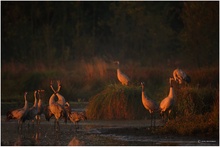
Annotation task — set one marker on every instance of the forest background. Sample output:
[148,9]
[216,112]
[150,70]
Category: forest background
[76,43]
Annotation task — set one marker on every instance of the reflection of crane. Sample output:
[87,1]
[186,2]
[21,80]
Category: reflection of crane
[18,113]
[180,76]
[168,102]
[76,142]
[121,76]
[39,106]
[32,112]
[149,104]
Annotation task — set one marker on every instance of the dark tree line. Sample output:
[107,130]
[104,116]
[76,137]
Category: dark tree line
[151,32]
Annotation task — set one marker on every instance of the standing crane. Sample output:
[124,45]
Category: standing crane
[56,109]
[74,117]
[39,106]
[149,104]
[61,100]
[18,113]
[168,102]
[180,76]
[32,112]
[121,76]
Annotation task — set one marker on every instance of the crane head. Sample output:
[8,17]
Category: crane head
[187,79]
[25,93]
[142,85]
[116,62]
[170,81]
[67,104]
[40,91]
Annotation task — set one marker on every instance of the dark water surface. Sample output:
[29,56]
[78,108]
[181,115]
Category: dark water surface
[103,133]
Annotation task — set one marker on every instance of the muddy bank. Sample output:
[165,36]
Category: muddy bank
[95,133]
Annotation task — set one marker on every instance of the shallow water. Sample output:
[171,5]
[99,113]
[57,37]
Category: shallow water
[114,133]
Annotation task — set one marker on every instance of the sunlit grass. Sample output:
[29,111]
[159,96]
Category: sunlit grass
[95,81]
[116,102]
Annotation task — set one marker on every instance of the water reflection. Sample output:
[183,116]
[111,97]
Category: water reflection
[37,137]
[24,139]
[75,142]
[92,133]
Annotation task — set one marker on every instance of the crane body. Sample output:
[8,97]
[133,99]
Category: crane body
[149,104]
[18,113]
[167,103]
[180,76]
[32,112]
[121,76]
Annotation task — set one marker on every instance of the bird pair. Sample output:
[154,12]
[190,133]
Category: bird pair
[167,103]
[178,74]
[25,113]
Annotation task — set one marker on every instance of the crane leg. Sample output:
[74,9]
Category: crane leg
[19,125]
[151,122]
[58,125]
[154,121]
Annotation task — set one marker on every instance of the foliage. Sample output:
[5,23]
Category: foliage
[193,124]
[154,33]
[200,42]
[116,102]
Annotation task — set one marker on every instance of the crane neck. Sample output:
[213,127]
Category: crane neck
[51,100]
[143,93]
[39,102]
[35,99]
[171,92]
[118,71]
[61,99]
[25,102]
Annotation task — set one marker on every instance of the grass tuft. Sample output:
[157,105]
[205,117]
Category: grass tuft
[117,102]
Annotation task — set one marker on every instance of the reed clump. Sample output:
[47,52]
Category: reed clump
[116,102]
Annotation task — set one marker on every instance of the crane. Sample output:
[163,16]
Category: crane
[149,104]
[18,113]
[168,102]
[74,117]
[180,76]
[121,76]
[67,108]
[32,112]
[39,106]
[56,108]
[61,99]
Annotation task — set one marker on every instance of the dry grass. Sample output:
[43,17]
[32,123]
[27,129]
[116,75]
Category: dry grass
[116,102]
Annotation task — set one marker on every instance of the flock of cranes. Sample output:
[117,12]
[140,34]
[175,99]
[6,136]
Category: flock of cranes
[61,109]
[166,105]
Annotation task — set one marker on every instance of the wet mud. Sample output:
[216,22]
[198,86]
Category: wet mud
[95,133]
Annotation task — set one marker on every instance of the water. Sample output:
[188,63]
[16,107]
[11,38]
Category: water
[114,133]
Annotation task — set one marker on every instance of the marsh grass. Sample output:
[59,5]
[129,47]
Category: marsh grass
[196,108]
[95,81]
[116,102]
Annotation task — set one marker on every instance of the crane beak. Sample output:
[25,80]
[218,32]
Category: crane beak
[116,62]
